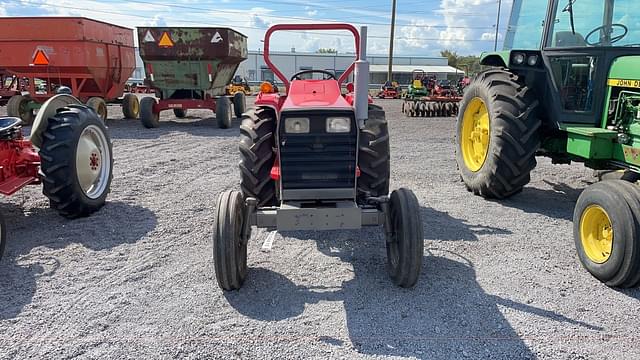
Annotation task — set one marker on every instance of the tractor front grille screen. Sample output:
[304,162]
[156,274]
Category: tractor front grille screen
[318,160]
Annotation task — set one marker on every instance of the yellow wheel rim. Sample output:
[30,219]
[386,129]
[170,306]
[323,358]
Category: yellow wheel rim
[136,107]
[475,134]
[596,234]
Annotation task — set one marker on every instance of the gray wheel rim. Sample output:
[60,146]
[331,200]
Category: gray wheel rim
[93,162]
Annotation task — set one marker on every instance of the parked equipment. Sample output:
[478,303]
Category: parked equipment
[314,159]
[40,54]
[428,97]
[69,152]
[238,84]
[189,68]
[576,97]
[389,90]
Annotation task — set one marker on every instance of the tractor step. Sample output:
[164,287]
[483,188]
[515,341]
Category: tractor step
[589,142]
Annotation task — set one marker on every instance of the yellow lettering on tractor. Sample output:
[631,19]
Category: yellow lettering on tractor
[624,83]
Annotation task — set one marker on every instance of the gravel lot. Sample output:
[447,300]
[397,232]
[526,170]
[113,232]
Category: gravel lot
[500,279]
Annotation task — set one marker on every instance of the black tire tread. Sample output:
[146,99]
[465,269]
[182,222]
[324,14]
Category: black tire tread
[514,135]
[230,273]
[257,154]
[410,239]
[374,157]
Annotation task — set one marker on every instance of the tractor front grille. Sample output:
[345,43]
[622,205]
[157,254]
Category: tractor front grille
[318,160]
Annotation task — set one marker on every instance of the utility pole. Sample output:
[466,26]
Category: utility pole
[393,28]
[495,46]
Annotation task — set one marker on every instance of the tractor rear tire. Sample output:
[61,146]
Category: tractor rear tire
[497,134]
[99,106]
[77,161]
[149,118]
[405,247]
[17,106]
[229,247]
[257,153]
[239,104]
[606,230]
[180,113]
[223,112]
[374,159]
[130,106]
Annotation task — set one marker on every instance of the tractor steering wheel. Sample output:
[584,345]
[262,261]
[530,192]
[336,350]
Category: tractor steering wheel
[297,75]
[614,39]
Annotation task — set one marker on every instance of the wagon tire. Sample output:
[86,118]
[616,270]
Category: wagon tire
[148,117]
[99,106]
[180,113]
[405,246]
[223,112]
[229,246]
[77,161]
[239,104]
[17,106]
[130,106]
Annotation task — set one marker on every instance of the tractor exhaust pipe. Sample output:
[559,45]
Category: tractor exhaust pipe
[361,83]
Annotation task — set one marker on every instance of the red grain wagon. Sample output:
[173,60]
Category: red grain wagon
[42,56]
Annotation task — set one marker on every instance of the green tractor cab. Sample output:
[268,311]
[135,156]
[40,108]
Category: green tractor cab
[567,86]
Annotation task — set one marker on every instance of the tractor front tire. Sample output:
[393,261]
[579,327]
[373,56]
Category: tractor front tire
[257,153]
[239,104]
[148,117]
[99,106]
[180,113]
[497,134]
[130,106]
[77,161]
[606,230]
[229,247]
[405,246]
[374,159]
[223,112]
[18,106]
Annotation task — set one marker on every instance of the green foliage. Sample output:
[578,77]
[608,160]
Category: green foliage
[470,64]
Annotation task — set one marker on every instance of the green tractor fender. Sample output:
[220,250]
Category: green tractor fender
[499,59]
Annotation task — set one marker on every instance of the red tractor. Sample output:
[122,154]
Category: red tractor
[314,159]
[69,153]
[389,90]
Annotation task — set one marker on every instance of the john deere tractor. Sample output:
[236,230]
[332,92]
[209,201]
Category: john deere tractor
[567,86]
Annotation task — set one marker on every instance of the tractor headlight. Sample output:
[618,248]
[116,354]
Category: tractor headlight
[532,60]
[296,125]
[338,124]
[519,58]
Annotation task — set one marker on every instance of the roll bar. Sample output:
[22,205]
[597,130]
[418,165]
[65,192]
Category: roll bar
[299,27]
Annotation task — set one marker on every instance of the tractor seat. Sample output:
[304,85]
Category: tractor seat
[569,39]
[9,127]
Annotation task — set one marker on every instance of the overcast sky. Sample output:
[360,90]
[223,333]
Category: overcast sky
[424,27]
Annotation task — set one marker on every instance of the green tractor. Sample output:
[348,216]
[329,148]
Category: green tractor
[567,86]
[417,88]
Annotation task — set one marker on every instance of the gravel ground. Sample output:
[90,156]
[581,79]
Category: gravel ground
[500,279]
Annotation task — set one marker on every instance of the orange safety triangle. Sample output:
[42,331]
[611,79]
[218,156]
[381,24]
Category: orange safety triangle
[165,40]
[40,58]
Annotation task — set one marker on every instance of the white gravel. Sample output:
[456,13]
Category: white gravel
[500,279]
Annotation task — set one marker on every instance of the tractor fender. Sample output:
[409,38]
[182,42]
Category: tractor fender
[498,59]
[49,109]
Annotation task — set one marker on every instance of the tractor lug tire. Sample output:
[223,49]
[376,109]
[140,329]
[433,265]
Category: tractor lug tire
[405,247]
[148,117]
[257,154]
[514,135]
[229,247]
[374,159]
[74,129]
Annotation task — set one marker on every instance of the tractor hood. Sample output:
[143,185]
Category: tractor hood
[315,94]
[625,68]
